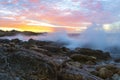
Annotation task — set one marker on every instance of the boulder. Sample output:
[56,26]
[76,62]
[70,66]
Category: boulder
[83,58]
[74,71]
[27,65]
[116,77]
[16,41]
[110,67]
[105,73]
[100,55]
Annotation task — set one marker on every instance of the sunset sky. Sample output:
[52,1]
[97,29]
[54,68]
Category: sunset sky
[52,15]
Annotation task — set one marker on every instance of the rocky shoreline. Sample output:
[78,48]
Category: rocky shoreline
[41,60]
[15,32]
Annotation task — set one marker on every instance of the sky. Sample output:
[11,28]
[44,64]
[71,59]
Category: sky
[52,15]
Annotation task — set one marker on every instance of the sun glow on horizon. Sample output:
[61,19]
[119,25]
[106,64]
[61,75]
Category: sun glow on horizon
[28,28]
[106,27]
[9,29]
[44,29]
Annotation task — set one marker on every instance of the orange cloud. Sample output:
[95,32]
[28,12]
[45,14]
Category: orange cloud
[17,25]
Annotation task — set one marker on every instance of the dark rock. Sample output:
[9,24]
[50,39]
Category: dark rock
[71,72]
[64,49]
[83,58]
[118,71]
[90,63]
[95,53]
[115,77]
[14,32]
[110,67]
[4,41]
[31,41]
[42,60]
[67,76]
[117,60]
[53,49]
[16,41]
[105,73]
[28,65]
[96,73]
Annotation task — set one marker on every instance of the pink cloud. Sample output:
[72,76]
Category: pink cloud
[7,2]
[87,11]
[34,1]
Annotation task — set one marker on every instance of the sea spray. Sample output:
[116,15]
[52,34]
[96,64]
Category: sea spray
[94,37]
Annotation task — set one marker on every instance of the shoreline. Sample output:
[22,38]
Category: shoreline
[34,58]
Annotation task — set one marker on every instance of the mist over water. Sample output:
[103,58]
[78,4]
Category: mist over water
[94,37]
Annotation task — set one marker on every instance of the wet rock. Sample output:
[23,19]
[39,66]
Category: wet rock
[75,64]
[110,67]
[4,41]
[83,58]
[32,41]
[36,48]
[53,49]
[72,77]
[99,55]
[71,72]
[96,73]
[28,65]
[41,60]
[117,60]
[118,71]
[116,77]
[59,60]
[90,63]
[4,76]
[113,68]
[64,49]
[16,41]
[11,47]
[105,73]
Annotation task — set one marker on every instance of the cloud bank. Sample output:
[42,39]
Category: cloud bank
[73,13]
